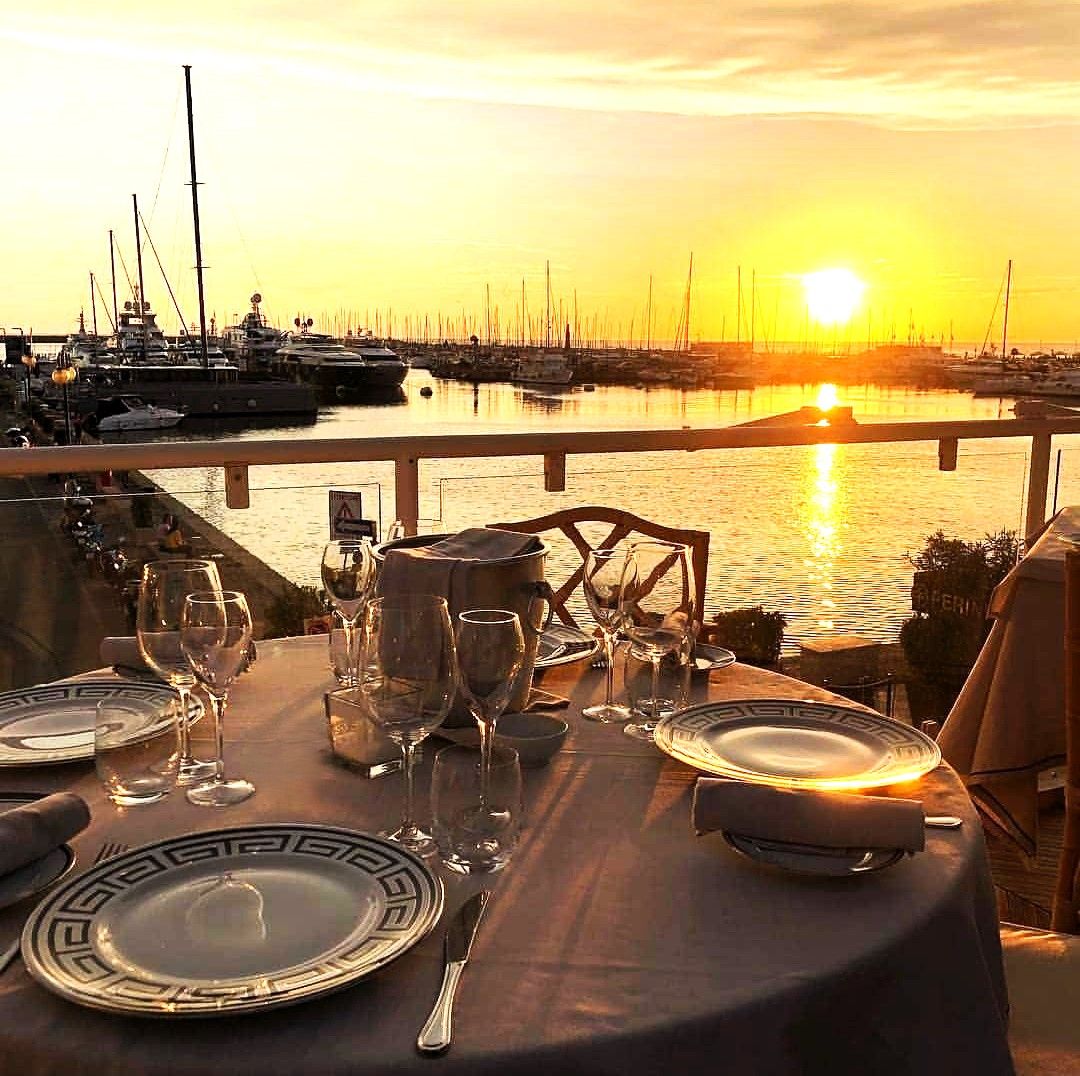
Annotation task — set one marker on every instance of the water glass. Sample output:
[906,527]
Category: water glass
[355,739]
[344,652]
[673,684]
[476,829]
[136,749]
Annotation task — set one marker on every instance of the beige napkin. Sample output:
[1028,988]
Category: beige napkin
[30,832]
[435,568]
[122,650]
[827,819]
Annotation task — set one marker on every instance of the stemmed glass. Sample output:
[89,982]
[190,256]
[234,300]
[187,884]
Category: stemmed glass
[409,675]
[660,608]
[490,649]
[215,631]
[607,574]
[165,585]
[348,572]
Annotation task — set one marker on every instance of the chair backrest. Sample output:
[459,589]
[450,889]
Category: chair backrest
[623,524]
[1067,890]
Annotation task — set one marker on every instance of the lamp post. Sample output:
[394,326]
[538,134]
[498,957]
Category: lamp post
[29,362]
[63,376]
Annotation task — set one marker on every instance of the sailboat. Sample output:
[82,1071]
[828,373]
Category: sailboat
[549,366]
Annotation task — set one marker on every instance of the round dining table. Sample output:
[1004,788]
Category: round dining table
[616,941]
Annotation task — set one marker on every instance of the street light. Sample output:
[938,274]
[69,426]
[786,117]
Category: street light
[29,361]
[64,375]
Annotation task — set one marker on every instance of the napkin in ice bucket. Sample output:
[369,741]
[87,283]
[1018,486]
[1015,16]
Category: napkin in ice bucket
[824,819]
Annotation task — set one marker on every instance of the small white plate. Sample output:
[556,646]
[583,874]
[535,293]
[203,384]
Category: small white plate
[563,645]
[814,859]
[707,658]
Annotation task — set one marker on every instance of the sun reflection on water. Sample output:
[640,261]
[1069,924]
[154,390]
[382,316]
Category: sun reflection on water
[822,532]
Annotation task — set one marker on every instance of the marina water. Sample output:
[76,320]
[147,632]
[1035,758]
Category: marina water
[821,533]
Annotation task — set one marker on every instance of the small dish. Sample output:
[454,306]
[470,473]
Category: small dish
[535,737]
[31,878]
[815,859]
[707,658]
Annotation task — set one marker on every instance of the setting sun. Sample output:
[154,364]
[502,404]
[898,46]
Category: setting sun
[832,295]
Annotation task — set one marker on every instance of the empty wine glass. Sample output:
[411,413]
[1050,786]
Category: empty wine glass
[409,677]
[660,608]
[607,572]
[348,573]
[215,630]
[164,588]
[490,651]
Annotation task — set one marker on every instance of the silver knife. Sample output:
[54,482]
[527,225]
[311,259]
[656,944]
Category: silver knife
[434,1036]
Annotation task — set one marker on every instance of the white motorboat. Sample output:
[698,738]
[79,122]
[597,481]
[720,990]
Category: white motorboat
[120,414]
[361,365]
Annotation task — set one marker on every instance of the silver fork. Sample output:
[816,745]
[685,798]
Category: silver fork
[107,851]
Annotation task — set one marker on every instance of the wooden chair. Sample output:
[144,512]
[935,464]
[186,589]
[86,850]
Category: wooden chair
[1042,967]
[623,524]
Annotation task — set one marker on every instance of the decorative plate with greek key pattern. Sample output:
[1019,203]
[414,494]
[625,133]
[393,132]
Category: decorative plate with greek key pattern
[231,921]
[53,723]
[796,744]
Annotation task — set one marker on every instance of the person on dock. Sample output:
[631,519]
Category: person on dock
[170,537]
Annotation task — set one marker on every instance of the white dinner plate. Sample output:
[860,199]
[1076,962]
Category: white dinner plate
[797,744]
[35,876]
[562,645]
[231,921]
[814,859]
[53,723]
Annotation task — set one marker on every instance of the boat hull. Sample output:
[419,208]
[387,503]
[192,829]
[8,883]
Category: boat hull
[346,379]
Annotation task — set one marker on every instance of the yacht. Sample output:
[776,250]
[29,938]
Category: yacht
[252,343]
[361,365]
[138,337]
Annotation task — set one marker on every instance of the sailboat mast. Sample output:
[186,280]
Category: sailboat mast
[753,302]
[142,293]
[1005,319]
[195,215]
[547,335]
[738,304]
[112,270]
[648,319]
[689,282]
[93,303]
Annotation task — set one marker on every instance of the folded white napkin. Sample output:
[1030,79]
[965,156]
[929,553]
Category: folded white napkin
[32,831]
[122,650]
[827,819]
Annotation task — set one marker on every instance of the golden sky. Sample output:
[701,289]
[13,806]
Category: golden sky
[381,155]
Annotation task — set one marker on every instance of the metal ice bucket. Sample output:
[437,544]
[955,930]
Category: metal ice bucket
[515,583]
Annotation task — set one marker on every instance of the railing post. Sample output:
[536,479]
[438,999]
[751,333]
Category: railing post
[407,492]
[237,494]
[555,472]
[1038,483]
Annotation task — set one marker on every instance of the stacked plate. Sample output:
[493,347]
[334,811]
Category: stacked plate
[812,746]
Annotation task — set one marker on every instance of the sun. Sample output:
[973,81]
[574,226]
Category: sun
[832,295]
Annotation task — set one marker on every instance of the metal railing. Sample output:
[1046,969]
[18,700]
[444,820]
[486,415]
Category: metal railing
[236,457]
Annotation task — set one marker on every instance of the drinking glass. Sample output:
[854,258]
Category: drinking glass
[136,749]
[476,831]
[215,630]
[490,651]
[348,573]
[660,614]
[343,661]
[607,573]
[410,672]
[165,585]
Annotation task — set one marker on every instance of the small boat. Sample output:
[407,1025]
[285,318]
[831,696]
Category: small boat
[120,414]
[547,368]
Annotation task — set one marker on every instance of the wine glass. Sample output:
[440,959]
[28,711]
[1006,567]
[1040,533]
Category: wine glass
[660,609]
[490,650]
[607,573]
[165,585]
[409,675]
[215,630]
[348,572]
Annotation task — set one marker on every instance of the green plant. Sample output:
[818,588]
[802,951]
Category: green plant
[754,635]
[941,643]
[288,611]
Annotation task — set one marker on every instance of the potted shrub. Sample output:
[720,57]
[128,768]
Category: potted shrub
[753,635]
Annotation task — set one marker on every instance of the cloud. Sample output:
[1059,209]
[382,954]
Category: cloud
[958,63]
